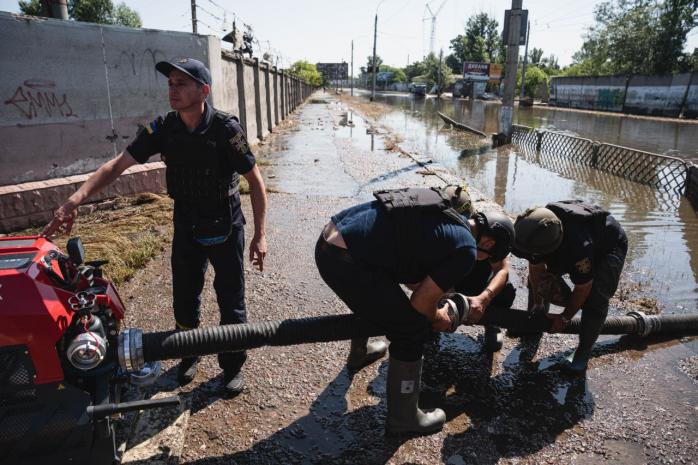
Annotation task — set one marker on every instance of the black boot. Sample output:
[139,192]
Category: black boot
[362,353]
[404,414]
[233,382]
[187,370]
[493,339]
[588,334]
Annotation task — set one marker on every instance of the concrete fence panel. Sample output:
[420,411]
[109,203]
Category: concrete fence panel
[657,95]
[690,108]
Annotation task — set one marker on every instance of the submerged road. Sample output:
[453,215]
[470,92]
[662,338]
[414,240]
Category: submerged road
[639,405]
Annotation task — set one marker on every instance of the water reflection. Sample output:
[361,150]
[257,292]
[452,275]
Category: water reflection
[662,227]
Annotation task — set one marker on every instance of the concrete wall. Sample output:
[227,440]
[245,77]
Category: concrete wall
[671,95]
[75,94]
[605,93]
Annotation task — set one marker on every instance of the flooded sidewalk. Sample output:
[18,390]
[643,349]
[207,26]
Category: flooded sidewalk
[640,404]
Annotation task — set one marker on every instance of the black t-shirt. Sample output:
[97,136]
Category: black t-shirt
[577,254]
[446,253]
[152,138]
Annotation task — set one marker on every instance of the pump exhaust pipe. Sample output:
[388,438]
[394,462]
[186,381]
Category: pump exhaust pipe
[136,348]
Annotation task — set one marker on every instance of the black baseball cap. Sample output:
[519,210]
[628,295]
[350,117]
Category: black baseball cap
[189,66]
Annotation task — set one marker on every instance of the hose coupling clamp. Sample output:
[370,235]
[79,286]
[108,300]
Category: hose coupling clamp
[130,350]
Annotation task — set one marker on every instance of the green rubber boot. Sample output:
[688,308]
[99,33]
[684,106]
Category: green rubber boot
[590,328]
[404,414]
[362,353]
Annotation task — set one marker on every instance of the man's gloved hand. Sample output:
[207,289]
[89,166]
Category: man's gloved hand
[457,307]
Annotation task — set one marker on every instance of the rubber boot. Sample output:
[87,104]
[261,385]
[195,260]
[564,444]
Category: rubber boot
[493,339]
[187,370]
[404,414]
[363,353]
[589,330]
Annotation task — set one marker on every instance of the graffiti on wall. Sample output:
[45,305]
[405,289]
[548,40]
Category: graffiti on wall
[38,97]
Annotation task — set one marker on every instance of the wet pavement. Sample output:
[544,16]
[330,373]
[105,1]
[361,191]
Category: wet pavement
[639,405]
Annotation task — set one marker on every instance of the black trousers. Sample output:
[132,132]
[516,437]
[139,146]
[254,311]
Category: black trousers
[374,294]
[189,263]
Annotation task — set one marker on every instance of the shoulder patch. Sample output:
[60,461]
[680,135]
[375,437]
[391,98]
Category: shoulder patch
[151,127]
[239,142]
[583,265]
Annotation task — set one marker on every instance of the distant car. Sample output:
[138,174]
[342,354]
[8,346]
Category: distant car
[419,89]
[487,96]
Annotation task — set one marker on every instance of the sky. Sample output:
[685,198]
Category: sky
[322,30]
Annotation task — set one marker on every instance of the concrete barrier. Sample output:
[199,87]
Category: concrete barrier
[75,94]
[671,95]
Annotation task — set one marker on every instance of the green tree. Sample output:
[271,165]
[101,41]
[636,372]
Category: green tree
[415,69]
[481,43]
[92,11]
[535,79]
[307,72]
[125,16]
[536,54]
[398,74]
[431,75]
[637,36]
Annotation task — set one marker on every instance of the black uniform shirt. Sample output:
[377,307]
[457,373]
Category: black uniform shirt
[235,150]
[578,251]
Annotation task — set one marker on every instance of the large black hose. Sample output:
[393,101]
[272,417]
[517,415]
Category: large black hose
[136,348]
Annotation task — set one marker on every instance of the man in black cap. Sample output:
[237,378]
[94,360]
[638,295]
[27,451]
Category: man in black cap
[205,151]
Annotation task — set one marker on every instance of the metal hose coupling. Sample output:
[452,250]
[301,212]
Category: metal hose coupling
[645,324]
[130,350]
[458,308]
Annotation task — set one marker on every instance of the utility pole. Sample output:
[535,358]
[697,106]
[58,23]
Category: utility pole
[55,8]
[440,80]
[373,63]
[507,109]
[193,16]
[352,68]
[523,67]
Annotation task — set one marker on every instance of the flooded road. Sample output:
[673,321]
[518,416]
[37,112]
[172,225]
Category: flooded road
[662,228]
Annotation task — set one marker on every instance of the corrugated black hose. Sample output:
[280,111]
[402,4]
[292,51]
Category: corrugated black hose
[231,338]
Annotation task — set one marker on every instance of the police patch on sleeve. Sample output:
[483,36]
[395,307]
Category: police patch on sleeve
[151,127]
[239,143]
[584,265]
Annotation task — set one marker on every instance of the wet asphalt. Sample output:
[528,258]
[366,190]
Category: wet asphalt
[638,405]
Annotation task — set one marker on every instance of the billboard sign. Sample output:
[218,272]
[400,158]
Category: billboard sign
[474,71]
[496,71]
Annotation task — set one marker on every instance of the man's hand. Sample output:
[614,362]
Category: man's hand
[63,219]
[557,321]
[477,308]
[442,322]
[258,250]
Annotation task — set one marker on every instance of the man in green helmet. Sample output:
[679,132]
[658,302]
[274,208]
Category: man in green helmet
[588,244]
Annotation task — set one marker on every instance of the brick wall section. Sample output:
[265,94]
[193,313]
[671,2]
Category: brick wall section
[33,203]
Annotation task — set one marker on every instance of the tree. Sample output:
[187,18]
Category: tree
[535,79]
[536,55]
[415,69]
[307,72]
[398,74]
[92,11]
[480,43]
[637,36]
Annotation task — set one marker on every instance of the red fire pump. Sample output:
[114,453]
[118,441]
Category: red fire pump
[60,381]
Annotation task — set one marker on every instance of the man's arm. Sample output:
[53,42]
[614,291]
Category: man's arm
[535,270]
[258,197]
[425,300]
[577,298]
[479,303]
[106,174]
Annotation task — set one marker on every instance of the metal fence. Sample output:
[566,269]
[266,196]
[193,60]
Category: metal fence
[669,174]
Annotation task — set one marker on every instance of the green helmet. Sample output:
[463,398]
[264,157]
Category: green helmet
[460,199]
[538,232]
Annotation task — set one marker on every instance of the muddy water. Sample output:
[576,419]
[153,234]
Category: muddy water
[662,229]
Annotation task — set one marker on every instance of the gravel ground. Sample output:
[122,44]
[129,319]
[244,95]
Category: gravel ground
[639,404]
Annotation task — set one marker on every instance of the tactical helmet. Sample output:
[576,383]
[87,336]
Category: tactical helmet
[459,198]
[498,226]
[538,232]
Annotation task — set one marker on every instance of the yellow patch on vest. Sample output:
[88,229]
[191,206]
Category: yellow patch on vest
[583,266]
[239,143]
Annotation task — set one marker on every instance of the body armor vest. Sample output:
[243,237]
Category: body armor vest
[576,213]
[197,165]
[406,208]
